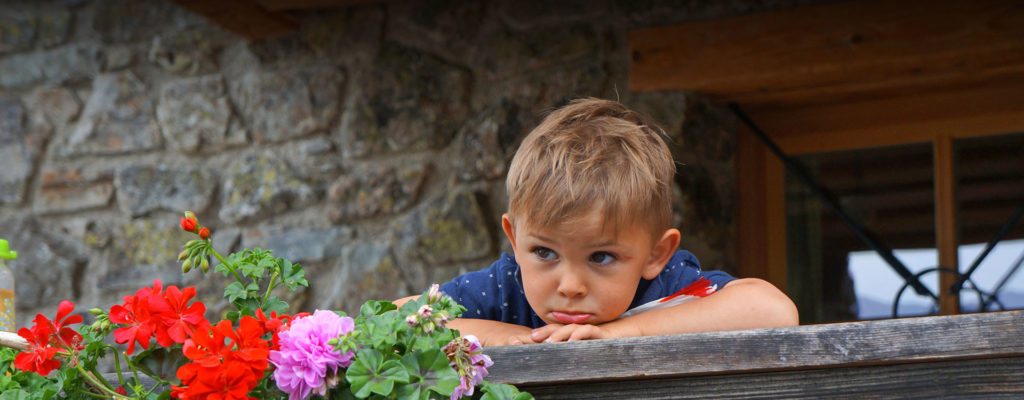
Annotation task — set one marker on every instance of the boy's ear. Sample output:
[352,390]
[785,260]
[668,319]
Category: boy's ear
[663,250]
[506,225]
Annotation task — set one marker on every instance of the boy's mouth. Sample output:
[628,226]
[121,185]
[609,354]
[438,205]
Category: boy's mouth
[570,317]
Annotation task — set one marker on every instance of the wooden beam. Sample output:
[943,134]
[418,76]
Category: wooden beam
[885,342]
[760,252]
[985,110]
[245,18]
[288,5]
[833,52]
[946,228]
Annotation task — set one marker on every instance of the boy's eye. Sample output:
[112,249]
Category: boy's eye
[602,258]
[544,253]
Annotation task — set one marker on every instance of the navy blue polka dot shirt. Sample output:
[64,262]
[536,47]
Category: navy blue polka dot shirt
[496,292]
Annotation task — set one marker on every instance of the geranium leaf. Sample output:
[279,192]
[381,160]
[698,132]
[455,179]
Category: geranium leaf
[275,304]
[293,275]
[376,307]
[363,370]
[428,371]
[235,291]
[250,270]
[501,391]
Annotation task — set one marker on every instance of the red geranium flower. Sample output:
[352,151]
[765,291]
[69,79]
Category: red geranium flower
[46,338]
[223,369]
[276,323]
[204,233]
[153,311]
[136,315]
[178,318]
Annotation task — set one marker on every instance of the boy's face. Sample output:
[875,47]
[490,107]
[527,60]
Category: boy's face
[582,273]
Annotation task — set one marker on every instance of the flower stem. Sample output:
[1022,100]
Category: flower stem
[100,384]
[226,263]
[266,296]
[117,367]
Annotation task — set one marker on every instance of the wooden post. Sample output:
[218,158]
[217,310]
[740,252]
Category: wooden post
[946,227]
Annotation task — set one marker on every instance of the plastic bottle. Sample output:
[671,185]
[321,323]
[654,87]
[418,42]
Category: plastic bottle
[6,288]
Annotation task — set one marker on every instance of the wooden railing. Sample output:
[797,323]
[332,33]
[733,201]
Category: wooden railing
[948,356]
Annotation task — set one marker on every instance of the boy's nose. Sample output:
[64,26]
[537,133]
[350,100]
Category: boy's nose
[572,285]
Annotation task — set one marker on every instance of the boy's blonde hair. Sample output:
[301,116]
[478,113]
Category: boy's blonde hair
[590,154]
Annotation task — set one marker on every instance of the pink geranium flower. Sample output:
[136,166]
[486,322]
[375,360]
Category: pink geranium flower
[306,362]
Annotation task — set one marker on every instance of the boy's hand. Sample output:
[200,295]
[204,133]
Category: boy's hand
[567,333]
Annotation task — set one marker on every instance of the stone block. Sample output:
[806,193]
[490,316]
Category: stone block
[21,143]
[47,266]
[411,101]
[260,185]
[379,191]
[448,229]
[58,105]
[303,245]
[69,189]
[71,63]
[367,269]
[141,251]
[17,32]
[194,112]
[53,27]
[484,143]
[288,104]
[118,118]
[187,52]
[134,20]
[143,189]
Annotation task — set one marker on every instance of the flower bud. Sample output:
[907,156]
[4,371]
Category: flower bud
[204,233]
[186,266]
[425,311]
[434,294]
[95,311]
[189,224]
[411,320]
[204,264]
[183,255]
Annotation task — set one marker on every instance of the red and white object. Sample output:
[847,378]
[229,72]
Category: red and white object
[700,288]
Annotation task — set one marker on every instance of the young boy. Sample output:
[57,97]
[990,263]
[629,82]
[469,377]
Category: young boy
[589,223]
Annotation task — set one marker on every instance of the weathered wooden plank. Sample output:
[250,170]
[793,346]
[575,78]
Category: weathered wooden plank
[989,379]
[834,50]
[927,339]
[977,110]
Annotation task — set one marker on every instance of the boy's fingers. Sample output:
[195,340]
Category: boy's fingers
[538,335]
[520,339]
[584,332]
[562,333]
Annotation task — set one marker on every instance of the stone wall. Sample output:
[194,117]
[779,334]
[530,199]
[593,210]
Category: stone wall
[370,145]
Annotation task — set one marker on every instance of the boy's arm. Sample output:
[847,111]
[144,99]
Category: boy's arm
[490,333]
[741,304]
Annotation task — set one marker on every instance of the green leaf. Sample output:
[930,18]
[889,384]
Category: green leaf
[428,371]
[250,270]
[14,395]
[235,291]
[363,370]
[293,275]
[376,307]
[275,304]
[501,391]
[371,374]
